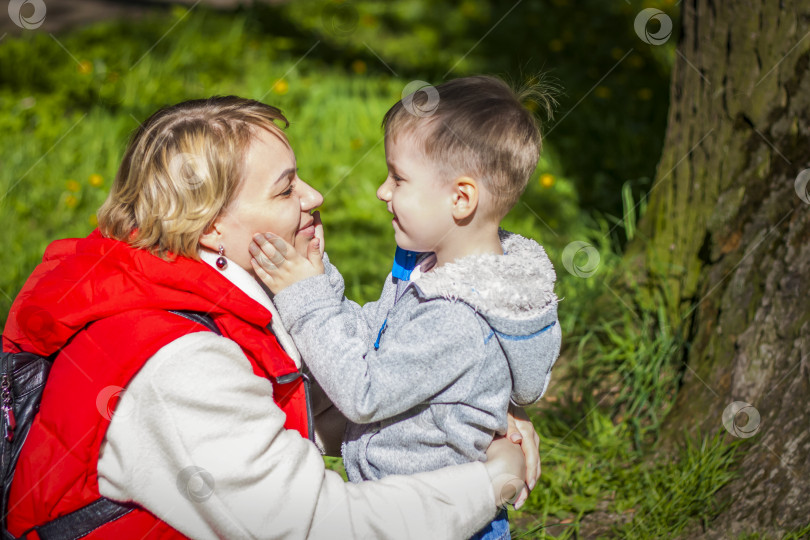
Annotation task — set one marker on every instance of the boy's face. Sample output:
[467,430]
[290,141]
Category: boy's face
[420,201]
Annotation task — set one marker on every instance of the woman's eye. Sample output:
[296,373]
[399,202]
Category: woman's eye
[287,192]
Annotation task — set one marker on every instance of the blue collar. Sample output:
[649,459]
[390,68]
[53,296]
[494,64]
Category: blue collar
[404,263]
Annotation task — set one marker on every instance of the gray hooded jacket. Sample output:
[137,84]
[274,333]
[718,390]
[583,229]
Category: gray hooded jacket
[425,374]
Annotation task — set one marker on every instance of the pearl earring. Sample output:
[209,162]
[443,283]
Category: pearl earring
[222,262]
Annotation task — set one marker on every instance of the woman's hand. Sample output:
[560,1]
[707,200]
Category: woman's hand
[521,430]
[505,465]
[279,265]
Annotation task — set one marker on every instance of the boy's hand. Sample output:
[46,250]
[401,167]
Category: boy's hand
[279,265]
[520,430]
[319,231]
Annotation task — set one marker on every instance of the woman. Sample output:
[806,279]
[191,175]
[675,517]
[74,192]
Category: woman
[209,439]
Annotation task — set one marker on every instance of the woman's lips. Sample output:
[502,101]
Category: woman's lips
[308,230]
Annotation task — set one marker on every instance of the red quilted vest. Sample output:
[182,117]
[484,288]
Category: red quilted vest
[105,305]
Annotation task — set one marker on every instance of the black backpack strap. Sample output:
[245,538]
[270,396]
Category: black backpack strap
[199,318]
[81,522]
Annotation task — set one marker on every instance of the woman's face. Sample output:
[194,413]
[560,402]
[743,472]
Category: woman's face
[271,199]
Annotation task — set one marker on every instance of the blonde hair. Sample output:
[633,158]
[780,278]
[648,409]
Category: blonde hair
[181,168]
[474,126]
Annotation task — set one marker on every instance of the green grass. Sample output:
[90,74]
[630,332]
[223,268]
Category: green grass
[65,123]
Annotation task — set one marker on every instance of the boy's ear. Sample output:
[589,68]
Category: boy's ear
[465,197]
[212,237]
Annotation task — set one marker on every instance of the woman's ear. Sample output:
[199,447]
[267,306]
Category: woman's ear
[465,197]
[212,237]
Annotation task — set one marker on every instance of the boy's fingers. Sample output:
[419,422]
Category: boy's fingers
[319,230]
[263,275]
[314,253]
[279,243]
[265,255]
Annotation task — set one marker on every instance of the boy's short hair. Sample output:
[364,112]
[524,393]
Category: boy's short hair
[473,126]
[181,169]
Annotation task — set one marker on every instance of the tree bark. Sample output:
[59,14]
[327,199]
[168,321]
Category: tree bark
[726,242]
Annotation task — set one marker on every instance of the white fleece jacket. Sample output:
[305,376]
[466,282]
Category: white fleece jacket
[198,441]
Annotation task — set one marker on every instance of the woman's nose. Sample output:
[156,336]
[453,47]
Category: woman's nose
[310,197]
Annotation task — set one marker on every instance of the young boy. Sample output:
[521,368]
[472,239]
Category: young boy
[466,320]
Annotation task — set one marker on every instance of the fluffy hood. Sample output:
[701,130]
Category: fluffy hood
[518,285]
[514,293]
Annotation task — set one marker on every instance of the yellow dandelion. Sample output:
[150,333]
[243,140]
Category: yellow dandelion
[281,87]
[556,45]
[85,67]
[71,201]
[532,105]
[93,220]
[645,94]
[359,67]
[616,53]
[72,185]
[602,92]
[96,180]
[546,180]
[356,144]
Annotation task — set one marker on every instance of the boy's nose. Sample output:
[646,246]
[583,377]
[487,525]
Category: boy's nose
[384,192]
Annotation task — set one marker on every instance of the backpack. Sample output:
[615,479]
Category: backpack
[22,381]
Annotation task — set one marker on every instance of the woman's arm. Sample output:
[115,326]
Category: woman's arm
[204,449]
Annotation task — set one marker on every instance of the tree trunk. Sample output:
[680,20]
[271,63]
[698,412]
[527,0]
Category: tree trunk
[726,242]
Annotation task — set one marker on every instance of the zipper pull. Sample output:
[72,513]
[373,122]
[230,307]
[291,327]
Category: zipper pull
[11,422]
[8,412]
